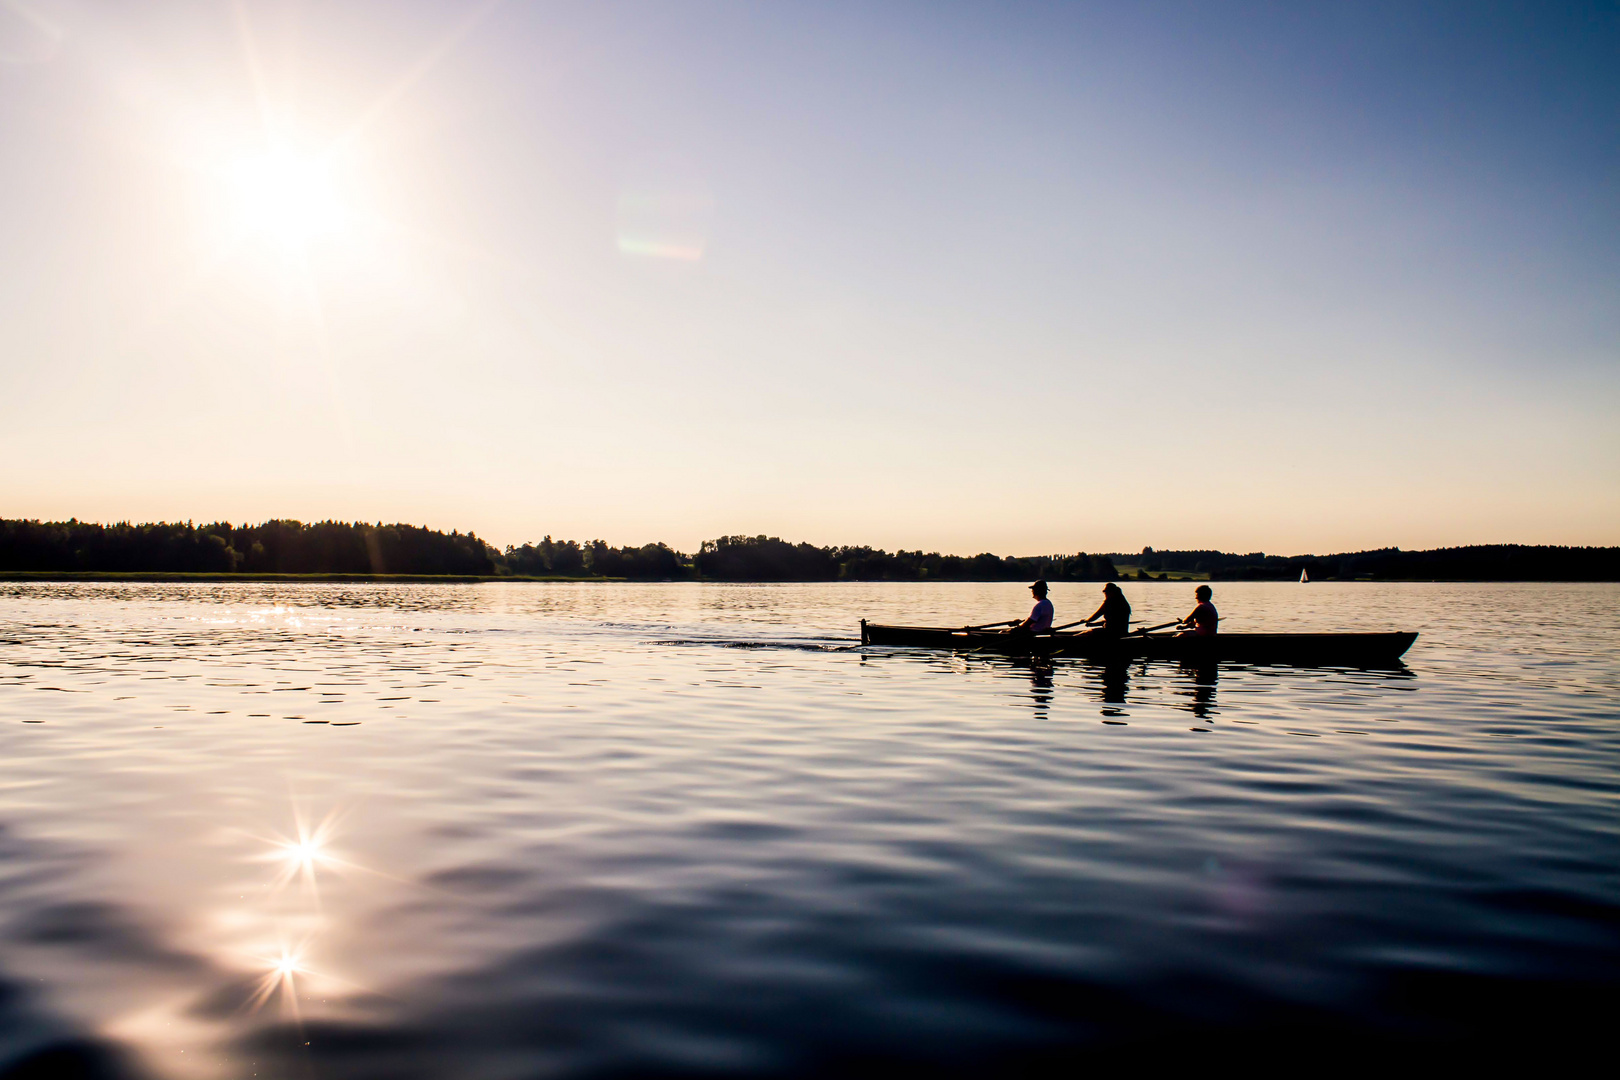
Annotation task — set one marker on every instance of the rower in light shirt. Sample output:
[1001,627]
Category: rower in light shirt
[1204,619]
[1040,617]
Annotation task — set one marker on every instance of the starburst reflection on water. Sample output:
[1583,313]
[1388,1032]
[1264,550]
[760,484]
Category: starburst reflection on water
[279,979]
[301,855]
[298,858]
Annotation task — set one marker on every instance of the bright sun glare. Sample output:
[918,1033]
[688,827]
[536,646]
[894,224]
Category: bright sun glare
[303,854]
[287,198]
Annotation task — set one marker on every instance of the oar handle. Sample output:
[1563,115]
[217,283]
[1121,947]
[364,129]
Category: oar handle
[1065,626]
[1161,626]
[992,625]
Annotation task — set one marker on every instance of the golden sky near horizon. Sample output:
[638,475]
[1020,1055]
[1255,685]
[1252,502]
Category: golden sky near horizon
[1035,279]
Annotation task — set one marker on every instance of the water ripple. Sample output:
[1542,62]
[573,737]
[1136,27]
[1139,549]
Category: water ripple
[552,829]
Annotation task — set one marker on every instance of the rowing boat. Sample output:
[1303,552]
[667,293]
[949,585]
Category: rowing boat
[1302,650]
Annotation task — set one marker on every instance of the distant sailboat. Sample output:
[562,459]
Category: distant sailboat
[1304,578]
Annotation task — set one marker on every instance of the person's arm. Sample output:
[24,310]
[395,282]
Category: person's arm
[1095,615]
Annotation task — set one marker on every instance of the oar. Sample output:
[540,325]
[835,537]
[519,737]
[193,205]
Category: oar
[1065,626]
[993,625]
[1161,626]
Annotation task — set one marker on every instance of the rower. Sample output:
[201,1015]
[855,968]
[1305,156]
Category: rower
[1040,616]
[1115,613]
[1204,618]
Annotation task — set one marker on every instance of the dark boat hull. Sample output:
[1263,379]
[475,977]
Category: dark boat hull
[1305,650]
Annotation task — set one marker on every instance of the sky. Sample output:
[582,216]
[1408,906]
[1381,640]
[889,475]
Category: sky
[1025,278]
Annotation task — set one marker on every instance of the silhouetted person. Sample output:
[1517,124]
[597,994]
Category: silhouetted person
[1204,618]
[1115,613]
[1040,616]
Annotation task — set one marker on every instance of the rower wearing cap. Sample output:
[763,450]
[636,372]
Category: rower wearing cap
[1040,617]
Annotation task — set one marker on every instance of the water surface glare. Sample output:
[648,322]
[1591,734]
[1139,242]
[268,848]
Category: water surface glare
[527,830]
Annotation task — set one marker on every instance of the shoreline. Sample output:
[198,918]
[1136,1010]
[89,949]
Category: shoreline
[478,579]
[372,579]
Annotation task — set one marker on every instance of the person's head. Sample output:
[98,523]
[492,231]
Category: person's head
[1203,592]
[1110,589]
[1039,588]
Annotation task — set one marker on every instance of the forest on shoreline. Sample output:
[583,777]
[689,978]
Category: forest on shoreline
[283,547]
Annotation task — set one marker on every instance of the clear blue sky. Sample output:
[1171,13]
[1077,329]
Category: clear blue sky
[1022,278]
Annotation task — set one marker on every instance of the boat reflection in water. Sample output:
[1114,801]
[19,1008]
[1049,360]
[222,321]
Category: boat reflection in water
[1117,685]
[1111,683]
[1204,678]
[1041,684]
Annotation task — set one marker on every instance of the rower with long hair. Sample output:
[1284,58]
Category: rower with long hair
[1115,613]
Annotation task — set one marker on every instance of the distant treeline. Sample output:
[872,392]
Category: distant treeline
[765,558]
[405,549]
[566,558]
[275,547]
[1480,562]
[335,547]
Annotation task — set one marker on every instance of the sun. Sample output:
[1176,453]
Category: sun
[286,198]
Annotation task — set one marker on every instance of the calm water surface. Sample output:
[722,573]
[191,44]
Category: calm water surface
[524,830]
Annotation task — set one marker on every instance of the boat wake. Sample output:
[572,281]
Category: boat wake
[734,643]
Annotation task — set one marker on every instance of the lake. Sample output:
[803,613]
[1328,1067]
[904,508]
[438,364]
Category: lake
[524,830]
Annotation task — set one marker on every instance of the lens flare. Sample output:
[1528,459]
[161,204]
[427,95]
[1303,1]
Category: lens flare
[665,222]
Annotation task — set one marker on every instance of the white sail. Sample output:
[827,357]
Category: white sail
[1304,578]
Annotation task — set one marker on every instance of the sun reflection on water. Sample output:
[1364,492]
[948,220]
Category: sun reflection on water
[300,856]
[279,979]
[266,967]
[280,964]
